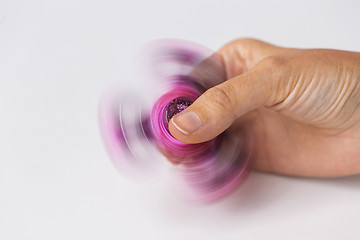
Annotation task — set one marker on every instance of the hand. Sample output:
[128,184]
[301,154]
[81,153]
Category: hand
[301,106]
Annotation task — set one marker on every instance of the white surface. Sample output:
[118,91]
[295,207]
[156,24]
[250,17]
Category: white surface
[56,57]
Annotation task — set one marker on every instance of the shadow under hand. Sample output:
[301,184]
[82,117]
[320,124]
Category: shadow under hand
[261,191]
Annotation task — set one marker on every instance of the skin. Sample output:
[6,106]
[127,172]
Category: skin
[300,106]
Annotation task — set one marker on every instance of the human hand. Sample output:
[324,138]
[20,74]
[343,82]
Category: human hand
[301,107]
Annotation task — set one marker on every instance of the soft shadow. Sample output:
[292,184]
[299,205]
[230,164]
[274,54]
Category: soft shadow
[261,190]
[256,192]
[349,182]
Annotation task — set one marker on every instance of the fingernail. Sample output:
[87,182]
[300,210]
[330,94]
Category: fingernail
[187,122]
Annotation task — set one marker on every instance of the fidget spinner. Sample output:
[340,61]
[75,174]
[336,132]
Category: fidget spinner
[134,133]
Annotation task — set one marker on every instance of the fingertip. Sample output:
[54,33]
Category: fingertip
[204,133]
[178,133]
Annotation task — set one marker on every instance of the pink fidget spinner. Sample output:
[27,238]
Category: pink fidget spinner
[182,71]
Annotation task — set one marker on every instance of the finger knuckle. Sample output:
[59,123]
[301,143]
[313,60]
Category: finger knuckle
[242,43]
[221,98]
[273,62]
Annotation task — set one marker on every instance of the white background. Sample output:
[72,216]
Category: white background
[56,182]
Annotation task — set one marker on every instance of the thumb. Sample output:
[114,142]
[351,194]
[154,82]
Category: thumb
[216,109]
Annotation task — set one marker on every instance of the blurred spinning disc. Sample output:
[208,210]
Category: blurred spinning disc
[134,135]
